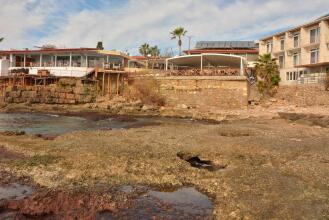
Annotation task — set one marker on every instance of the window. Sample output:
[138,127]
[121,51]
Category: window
[287,76]
[315,35]
[296,40]
[269,47]
[296,59]
[327,70]
[282,44]
[281,62]
[314,56]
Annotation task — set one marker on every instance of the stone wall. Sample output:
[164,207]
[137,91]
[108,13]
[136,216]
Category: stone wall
[205,92]
[61,93]
[304,95]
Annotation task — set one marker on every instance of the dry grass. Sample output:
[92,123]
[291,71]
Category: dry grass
[146,90]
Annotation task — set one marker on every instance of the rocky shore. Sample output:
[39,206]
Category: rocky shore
[267,161]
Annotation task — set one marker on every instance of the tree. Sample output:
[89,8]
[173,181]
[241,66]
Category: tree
[268,74]
[100,45]
[1,39]
[48,47]
[154,51]
[144,49]
[178,33]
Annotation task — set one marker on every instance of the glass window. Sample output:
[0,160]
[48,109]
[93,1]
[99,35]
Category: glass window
[287,76]
[281,62]
[315,35]
[296,59]
[296,40]
[315,56]
[269,47]
[282,44]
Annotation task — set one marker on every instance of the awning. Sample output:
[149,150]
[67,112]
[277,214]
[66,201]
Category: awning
[203,60]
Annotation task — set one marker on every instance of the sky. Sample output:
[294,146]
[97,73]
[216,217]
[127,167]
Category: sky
[126,24]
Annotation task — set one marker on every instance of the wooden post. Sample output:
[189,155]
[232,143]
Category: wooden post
[118,77]
[108,85]
[103,86]
[110,89]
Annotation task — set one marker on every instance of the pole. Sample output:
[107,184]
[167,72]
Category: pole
[70,59]
[241,67]
[24,60]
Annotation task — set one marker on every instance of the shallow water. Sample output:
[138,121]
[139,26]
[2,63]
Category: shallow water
[184,203]
[15,191]
[47,124]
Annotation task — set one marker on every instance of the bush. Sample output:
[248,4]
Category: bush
[146,90]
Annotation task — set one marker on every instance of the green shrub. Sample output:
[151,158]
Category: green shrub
[268,75]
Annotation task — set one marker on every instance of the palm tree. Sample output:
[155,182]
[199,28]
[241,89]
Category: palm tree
[179,32]
[155,51]
[267,71]
[144,49]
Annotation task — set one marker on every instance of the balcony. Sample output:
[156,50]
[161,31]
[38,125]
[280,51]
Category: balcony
[312,45]
[291,51]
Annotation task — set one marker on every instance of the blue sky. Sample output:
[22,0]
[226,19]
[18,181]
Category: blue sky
[126,24]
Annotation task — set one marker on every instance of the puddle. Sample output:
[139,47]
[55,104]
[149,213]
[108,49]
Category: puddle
[184,203]
[15,191]
[47,125]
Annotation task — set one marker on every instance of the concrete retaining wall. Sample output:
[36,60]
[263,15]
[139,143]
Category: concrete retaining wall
[304,95]
[205,92]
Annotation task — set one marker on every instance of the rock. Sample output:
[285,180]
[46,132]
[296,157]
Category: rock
[273,100]
[148,108]
[137,103]
[182,106]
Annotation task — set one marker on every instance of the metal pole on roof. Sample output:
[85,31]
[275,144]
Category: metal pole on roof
[201,67]
[189,43]
[166,64]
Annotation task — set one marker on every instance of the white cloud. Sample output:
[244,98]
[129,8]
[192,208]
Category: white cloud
[19,19]
[133,22]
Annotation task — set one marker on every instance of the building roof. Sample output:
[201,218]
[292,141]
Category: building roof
[81,49]
[316,21]
[225,45]
[65,50]
[223,51]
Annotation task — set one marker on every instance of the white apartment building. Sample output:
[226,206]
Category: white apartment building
[302,52]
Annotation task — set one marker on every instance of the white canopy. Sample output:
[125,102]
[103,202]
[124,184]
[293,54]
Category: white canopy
[208,59]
